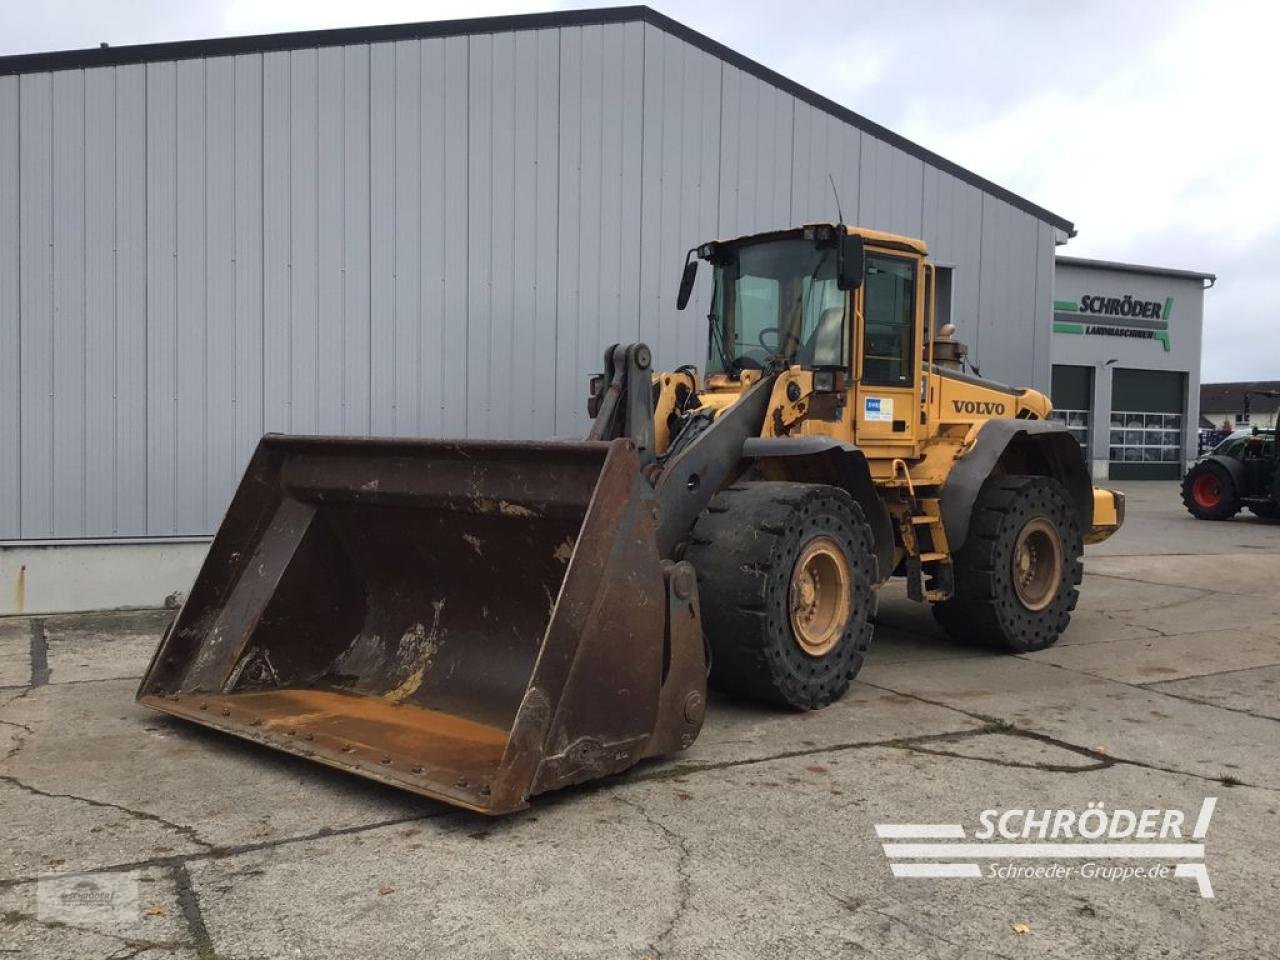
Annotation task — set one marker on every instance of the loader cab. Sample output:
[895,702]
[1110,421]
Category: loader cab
[788,299]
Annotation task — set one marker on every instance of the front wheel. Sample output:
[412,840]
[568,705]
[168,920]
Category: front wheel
[1017,573]
[785,574]
[1209,493]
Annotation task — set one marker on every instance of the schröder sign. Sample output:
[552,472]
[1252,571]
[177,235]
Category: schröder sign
[1077,843]
[1108,316]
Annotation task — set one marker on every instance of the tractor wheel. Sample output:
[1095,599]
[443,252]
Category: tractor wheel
[784,577]
[1017,573]
[1270,511]
[1209,493]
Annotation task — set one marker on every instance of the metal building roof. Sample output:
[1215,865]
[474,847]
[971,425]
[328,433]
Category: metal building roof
[1229,397]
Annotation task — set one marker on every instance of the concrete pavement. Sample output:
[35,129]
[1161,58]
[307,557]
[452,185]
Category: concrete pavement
[759,841]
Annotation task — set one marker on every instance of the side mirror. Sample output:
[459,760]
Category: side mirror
[853,262]
[686,281]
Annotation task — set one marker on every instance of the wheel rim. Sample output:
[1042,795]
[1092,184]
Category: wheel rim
[821,596]
[1037,564]
[1206,490]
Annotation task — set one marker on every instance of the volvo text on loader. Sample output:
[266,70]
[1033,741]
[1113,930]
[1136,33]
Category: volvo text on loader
[481,622]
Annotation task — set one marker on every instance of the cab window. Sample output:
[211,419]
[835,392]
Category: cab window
[888,339]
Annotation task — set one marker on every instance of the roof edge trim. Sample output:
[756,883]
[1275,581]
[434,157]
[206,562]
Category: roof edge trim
[1118,266]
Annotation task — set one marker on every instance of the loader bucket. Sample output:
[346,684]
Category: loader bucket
[474,621]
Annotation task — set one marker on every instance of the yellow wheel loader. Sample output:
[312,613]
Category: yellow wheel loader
[481,622]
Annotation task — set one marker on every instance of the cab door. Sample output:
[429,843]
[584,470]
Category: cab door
[887,397]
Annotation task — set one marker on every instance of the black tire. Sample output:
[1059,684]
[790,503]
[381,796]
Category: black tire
[744,547]
[1209,493]
[1270,511]
[986,608]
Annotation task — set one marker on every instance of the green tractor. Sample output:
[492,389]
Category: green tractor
[1239,472]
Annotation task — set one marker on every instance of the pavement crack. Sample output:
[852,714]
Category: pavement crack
[1202,591]
[188,833]
[213,853]
[189,903]
[1152,687]
[987,720]
[677,770]
[661,942]
[1100,761]
[996,725]
[19,741]
[1122,617]
[135,945]
[1206,703]
[26,689]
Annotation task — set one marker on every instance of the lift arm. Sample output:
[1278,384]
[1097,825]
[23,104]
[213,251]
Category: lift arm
[692,472]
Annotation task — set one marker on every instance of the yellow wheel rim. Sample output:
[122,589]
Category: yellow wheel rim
[821,596]
[1037,564]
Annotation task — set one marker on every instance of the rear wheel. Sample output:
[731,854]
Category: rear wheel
[1017,573]
[1209,493]
[1270,511]
[784,576]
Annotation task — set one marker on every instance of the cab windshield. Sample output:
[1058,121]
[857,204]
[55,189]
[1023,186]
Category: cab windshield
[776,304]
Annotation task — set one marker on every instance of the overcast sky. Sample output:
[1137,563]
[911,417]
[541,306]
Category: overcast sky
[1149,125]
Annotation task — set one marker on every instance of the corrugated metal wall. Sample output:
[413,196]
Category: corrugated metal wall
[431,237]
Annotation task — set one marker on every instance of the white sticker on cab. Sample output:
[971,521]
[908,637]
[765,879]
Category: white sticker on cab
[878,409]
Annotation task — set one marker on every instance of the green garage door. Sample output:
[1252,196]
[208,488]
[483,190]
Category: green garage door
[1147,407]
[1073,401]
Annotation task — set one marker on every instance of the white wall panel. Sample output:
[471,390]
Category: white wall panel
[249,383]
[454,352]
[331,240]
[277,286]
[162,299]
[219,475]
[132,284]
[69,342]
[406,237]
[100,309]
[191,319]
[10,313]
[303,247]
[356,194]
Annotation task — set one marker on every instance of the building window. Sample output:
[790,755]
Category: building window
[1242,419]
[1146,437]
[1077,422]
[942,297]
